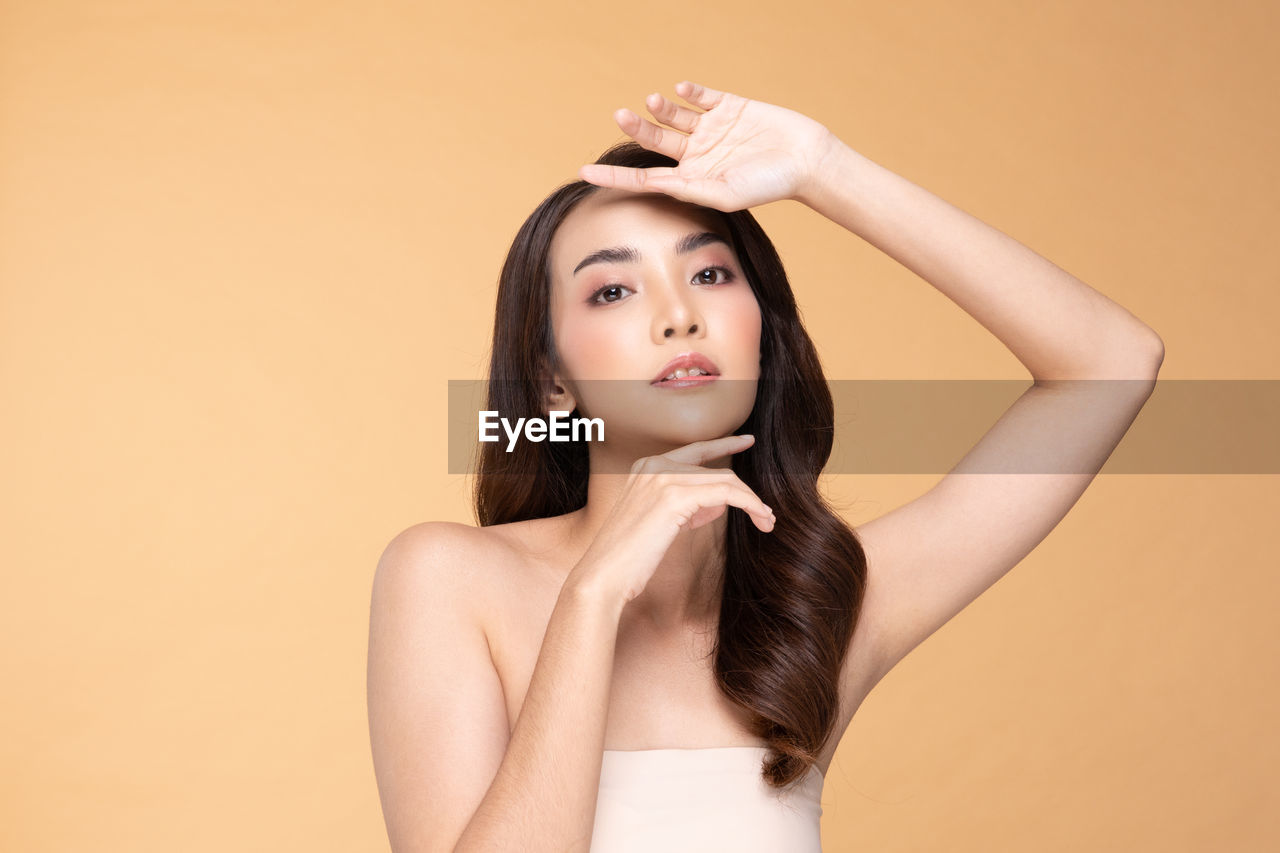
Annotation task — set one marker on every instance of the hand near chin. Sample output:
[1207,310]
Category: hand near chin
[662,496]
[739,153]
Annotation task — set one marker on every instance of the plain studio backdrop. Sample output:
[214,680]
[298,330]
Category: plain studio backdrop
[244,246]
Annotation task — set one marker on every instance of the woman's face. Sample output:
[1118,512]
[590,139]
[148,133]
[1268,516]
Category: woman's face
[635,283]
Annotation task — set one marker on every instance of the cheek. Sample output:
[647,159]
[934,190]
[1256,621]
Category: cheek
[590,350]
[742,326]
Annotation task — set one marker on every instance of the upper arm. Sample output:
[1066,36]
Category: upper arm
[927,560]
[437,717]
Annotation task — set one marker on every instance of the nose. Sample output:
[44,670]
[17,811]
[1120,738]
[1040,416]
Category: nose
[678,315]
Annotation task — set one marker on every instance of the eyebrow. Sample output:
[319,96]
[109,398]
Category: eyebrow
[630,255]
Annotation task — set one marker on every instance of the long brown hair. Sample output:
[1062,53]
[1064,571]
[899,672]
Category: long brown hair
[790,598]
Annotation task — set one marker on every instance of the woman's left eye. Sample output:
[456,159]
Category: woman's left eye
[728,275]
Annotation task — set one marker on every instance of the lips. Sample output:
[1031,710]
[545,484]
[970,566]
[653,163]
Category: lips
[686,361]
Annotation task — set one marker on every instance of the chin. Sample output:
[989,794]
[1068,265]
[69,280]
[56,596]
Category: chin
[634,413]
[668,430]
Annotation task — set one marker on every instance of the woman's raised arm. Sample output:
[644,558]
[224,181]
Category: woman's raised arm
[1094,364]
[742,153]
[1055,324]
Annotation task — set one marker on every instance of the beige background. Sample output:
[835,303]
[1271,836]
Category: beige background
[243,247]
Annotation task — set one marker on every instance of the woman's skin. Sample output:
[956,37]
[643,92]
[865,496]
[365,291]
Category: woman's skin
[503,660]
[616,325]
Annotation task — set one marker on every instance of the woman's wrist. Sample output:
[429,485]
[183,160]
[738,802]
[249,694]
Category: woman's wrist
[584,588]
[835,170]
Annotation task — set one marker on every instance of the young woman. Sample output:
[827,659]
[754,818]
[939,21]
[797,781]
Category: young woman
[656,641]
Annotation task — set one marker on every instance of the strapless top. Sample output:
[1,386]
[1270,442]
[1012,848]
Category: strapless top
[676,800]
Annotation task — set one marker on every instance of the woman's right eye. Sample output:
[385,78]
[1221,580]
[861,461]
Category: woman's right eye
[608,293]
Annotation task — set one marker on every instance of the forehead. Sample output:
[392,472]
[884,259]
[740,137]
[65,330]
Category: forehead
[651,222]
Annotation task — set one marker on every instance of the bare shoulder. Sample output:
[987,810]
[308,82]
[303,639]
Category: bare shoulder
[478,569]
[446,555]
[430,541]
[451,540]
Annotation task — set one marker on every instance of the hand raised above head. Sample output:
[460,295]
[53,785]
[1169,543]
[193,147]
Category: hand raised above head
[739,153]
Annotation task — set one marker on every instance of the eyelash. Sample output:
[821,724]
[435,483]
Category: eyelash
[728,277]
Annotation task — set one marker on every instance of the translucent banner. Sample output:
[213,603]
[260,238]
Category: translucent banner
[1185,426]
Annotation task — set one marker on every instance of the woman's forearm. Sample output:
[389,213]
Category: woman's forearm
[1055,324]
[544,794]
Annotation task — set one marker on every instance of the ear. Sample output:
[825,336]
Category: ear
[557,396]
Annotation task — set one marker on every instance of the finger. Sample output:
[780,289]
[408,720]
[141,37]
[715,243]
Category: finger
[759,510]
[719,494]
[702,96]
[703,451]
[625,177]
[651,136]
[705,516]
[729,478]
[672,113]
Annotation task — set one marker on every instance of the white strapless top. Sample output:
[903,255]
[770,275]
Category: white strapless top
[677,800]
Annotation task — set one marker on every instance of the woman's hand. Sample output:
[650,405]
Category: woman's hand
[663,496]
[738,154]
